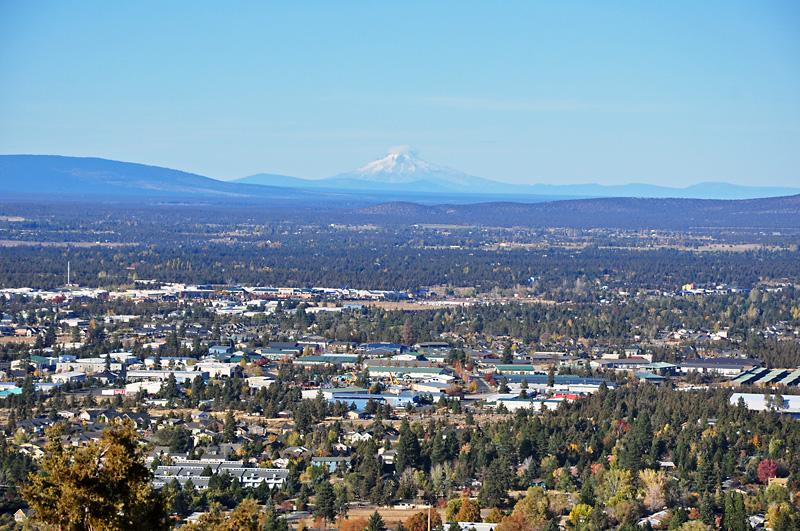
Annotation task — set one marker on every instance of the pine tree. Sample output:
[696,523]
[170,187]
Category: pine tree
[679,518]
[408,449]
[551,525]
[508,355]
[495,485]
[438,449]
[325,502]
[102,486]
[272,522]
[707,511]
[342,501]
[376,523]
[704,477]
[599,518]
[728,515]
[11,427]
[229,429]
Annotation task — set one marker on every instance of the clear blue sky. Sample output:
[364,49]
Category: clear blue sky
[671,93]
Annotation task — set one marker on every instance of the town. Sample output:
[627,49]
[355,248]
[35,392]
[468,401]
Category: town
[248,392]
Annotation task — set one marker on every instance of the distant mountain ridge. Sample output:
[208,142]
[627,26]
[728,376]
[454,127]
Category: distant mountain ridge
[400,176]
[772,214]
[38,178]
[403,171]
[79,178]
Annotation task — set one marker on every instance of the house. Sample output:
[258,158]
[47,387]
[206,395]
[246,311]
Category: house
[388,456]
[68,377]
[220,349]
[654,519]
[315,342]
[333,464]
[107,377]
[469,526]
[649,377]
[359,437]
[22,515]
[295,452]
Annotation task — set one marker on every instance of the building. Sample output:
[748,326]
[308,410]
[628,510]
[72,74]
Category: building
[89,365]
[338,360]
[512,403]
[768,378]
[333,464]
[789,404]
[184,470]
[719,366]
[71,377]
[180,376]
[412,373]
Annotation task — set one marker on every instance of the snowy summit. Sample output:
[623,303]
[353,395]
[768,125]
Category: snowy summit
[403,166]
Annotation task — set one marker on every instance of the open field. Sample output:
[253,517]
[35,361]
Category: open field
[391,517]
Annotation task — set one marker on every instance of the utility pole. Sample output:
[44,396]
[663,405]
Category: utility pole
[429,518]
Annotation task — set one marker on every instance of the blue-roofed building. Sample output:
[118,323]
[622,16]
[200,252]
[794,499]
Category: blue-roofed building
[333,464]
[339,360]
[220,349]
[386,347]
[359,401]
[649,377]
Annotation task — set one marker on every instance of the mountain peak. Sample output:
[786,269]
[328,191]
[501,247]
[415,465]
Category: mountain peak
[402,165]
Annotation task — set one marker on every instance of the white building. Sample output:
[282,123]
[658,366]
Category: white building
[89,365]
[180,376]
[758,402]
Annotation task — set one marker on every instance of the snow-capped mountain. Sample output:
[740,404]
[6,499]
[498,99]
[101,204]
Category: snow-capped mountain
[402,166]
[401,171]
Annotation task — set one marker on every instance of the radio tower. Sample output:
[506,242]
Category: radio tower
[67,272]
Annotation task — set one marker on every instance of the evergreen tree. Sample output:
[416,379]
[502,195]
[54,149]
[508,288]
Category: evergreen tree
[438,449]
[599,518]
[11,427]
[229,428]
[75,492]
[376,523]
[169,388]
[408,449]
[469,419]
[50,336]
[707,510]
[495,484]
[342,501]
[679,517]
[704,477]
[273,522]
[551,525]
[508,355]
[325,502]
[728,514]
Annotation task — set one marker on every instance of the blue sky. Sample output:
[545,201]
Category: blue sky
[669,93]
